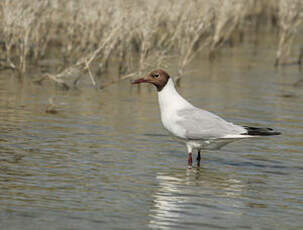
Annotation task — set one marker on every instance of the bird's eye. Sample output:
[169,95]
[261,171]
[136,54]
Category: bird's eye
[156,75]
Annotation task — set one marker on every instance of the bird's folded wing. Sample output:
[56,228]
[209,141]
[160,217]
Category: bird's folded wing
[201,124]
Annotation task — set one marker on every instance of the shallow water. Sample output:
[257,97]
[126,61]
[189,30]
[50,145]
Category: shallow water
[105,162]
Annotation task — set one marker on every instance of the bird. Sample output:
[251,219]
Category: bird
[196,128]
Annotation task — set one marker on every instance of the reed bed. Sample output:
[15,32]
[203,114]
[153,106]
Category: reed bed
[92,37]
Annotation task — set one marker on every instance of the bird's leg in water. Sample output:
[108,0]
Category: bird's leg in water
[190,161]
[198,158]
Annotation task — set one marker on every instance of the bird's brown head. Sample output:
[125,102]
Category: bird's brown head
[158,78]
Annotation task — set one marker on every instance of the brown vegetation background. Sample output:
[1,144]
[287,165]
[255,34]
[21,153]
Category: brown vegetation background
[64,40]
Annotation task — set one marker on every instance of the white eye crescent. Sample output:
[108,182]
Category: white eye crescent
[156,75]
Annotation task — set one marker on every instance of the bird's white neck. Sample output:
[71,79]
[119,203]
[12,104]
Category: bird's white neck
[170,99]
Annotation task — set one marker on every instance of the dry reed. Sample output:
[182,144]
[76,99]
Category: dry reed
[87,36]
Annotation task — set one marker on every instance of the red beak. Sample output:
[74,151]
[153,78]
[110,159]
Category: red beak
[140,80]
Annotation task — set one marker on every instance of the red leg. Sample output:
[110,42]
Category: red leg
[198,158]
[190,160]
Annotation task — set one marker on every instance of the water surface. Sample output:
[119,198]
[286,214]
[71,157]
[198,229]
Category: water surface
[105,162]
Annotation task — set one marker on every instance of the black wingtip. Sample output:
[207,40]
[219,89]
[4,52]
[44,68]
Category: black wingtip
[254,131]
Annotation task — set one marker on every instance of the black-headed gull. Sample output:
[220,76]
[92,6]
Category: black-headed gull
[196,128]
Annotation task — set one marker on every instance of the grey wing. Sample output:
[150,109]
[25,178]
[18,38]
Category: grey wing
[201,124]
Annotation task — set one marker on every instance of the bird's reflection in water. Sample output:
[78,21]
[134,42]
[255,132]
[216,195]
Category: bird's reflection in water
[188,199]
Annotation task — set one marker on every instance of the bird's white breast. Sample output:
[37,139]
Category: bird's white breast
[170,103]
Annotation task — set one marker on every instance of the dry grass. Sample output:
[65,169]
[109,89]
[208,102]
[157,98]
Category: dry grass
[290,20]
[88,36]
